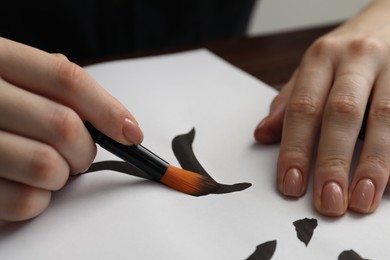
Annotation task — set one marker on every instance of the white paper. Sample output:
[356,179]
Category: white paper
[110,215]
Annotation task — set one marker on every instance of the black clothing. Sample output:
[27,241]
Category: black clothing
[91,28]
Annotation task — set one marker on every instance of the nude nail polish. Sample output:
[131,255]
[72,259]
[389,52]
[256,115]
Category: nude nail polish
[132,132]
[362,196]
[293,181]
[332,199]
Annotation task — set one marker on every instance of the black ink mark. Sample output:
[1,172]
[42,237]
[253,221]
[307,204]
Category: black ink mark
[305,228]
[118,166]
[349,255]
[264,251]
[225,188]
[182,148]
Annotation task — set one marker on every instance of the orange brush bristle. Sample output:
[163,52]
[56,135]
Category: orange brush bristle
[188,182]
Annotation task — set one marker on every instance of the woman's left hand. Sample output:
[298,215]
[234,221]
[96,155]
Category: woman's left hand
[319,113]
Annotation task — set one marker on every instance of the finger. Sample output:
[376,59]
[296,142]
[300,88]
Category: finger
[341,124]
[32,163]
[372,172]
[36,117]
[21,202]
[69,84]
[60,55]
[269,130]
[302,119]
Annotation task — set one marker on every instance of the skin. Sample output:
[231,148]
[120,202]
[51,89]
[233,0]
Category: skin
[44,100]
[318,114]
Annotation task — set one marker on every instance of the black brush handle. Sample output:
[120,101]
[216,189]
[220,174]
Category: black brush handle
[136,155]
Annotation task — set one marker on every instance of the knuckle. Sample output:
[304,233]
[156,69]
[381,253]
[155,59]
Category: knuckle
[297,152]
[28,203]
[334,162]
[346,105]
[323,46]
[366,45]
[378,162]
[43,164]
[381,111]
[66,124]
[68,75]
[303,105]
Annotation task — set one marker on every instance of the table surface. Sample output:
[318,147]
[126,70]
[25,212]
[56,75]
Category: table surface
[271,58]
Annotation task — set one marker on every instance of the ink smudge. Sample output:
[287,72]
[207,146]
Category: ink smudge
[182,148]
[264,251]
[349,255]
[304,228]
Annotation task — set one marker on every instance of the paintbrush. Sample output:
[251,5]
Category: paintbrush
[158,169]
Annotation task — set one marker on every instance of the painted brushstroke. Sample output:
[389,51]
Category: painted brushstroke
[305,228]
[182,148]
[349,255]
[264,251]
[118,166]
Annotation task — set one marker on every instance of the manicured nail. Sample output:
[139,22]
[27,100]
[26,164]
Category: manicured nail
[259,131]
[293,182]
[132,132]
[332,199]
[362,196]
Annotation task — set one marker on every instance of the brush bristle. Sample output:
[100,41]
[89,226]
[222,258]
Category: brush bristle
[189,182]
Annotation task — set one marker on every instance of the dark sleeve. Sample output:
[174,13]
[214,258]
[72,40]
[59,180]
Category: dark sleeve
[91,28]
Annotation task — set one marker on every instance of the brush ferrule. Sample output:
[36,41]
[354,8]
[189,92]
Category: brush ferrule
[137,155]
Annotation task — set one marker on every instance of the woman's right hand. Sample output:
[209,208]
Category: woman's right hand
[44,100]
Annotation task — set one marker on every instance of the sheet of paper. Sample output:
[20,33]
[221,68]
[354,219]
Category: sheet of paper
[110,215]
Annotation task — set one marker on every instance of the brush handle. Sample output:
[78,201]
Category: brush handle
[136,155]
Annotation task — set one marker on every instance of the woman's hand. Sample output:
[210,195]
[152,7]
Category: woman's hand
[319,113]
[44,99]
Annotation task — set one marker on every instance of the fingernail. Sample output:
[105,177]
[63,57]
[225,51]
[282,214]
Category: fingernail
[332,199]
[132,132]
[362,196]
[262,122]
[293,182]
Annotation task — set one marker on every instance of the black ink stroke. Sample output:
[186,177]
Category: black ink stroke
[350,255]
[264,251]
[118,166]
[305,228]
[182,148]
